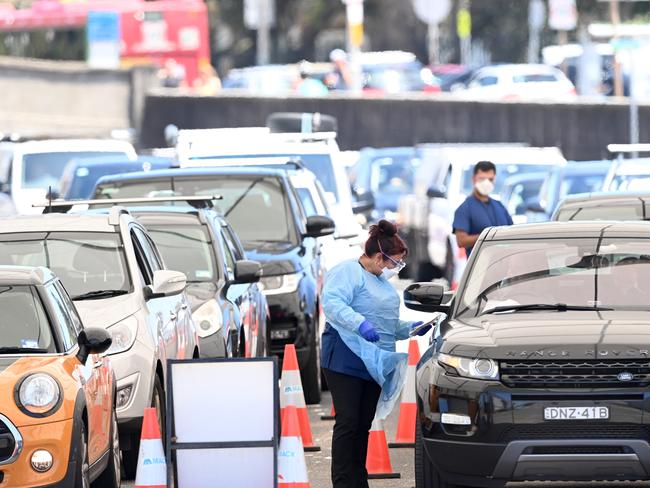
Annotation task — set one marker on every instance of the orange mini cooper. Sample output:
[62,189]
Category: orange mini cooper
[58,426]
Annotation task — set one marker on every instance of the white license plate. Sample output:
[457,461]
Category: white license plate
[576,413]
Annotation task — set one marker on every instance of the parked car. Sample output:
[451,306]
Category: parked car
[229,310]
[574,178]
[390,72]
[452,77]
[37,166]
[604,206]
[517,190]
[263,80]
[117,281]
[58,425]
[80,175]
[263,209]
[443,181]
[519,82]
[380,178]
[537,370]
[628,175]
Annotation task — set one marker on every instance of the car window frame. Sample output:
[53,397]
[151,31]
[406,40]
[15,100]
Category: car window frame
[54,300]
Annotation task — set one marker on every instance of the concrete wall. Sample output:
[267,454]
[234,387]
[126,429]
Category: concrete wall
[68,99]
[582,130]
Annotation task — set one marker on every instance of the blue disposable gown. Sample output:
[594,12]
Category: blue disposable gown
[352,295]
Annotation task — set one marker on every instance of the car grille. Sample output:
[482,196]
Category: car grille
[575,374]
[7,442]
[528,432]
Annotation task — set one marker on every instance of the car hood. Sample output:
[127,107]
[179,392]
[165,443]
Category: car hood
[108,311]
[199,293]
[550,335]
[276,258]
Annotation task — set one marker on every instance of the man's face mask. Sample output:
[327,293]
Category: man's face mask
[484,187]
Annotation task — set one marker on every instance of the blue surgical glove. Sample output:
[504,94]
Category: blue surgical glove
[420,332]
[368,331]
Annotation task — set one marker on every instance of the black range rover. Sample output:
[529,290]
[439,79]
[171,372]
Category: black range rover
[541,368]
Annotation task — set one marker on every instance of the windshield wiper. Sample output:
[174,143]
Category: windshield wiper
[21,350]
[97,294]
[560,307]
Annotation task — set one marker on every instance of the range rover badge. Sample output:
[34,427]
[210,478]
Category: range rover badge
[625,376]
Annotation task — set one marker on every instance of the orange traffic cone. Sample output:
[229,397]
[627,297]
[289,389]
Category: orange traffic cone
[152,466]
[331,416]
[408,409]
[378,460]
[292,394]
[292,469]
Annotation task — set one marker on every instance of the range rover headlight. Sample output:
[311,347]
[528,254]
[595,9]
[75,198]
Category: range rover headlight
[478,368]
[123,335]
[39,394]
[208,319]
[277,285]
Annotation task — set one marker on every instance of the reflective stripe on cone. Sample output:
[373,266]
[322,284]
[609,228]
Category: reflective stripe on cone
[378,460]
[405,436]
[152,465]
[292,469]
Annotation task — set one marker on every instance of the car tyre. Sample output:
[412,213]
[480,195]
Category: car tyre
[311,377]
[112,475]
[130,457]
[82,477]
[426,475]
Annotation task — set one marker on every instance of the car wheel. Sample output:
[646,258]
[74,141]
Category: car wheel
[426,475]
[130,457]
[111,476]
[82,477]
[312,373]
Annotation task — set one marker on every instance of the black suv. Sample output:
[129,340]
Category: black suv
[540,366]
[264,210]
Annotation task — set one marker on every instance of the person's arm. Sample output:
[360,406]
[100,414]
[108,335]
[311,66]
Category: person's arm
[338,294]
[464,239]
[403,329]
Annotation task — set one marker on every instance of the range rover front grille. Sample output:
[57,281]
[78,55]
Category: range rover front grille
[7,442]
[534,432]
[576,373]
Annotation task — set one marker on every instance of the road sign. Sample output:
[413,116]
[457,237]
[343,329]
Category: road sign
[432,12]
[259,13]
[562,15]
[464,23]
[103,40]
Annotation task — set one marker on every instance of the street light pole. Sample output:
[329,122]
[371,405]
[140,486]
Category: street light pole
[615,15]
[354,18]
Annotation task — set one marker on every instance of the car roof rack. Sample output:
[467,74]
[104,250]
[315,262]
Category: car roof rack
[64,206]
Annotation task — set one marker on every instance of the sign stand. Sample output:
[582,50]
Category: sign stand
[222,416]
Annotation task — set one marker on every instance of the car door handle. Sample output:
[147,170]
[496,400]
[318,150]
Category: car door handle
[173,316]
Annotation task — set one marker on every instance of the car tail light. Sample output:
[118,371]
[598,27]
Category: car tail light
[431,89]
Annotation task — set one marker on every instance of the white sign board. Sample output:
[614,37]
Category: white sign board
[432,12]
[223,420]
[562,15]
[259,13]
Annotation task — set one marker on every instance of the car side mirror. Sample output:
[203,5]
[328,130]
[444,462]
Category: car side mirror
[93,340]
[319,226]
[535,206]
[247,272]
[166,283]
[436,192]
[427,297]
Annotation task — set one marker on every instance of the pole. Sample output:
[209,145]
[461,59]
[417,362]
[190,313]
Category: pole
[634,105]
[354,18]
[615,15]
[464,29]
[263,33]
[433,38]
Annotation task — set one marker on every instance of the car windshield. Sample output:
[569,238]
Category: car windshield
[186,248]
[42,170]
[23,323]
[504,171]
[574,184]
[519,194]
[84,261]
[576,272]
[270,221]
[393,174]
[627,211]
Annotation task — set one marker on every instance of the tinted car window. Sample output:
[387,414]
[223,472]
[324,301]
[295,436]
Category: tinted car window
[23,322]
[84,262]
[488,80]
[186,248]
[41,170]
[605,212]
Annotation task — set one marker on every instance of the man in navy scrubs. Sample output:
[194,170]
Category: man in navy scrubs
[479,211]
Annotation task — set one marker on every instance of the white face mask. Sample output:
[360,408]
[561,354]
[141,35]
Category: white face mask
[484,187]
[388,273]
